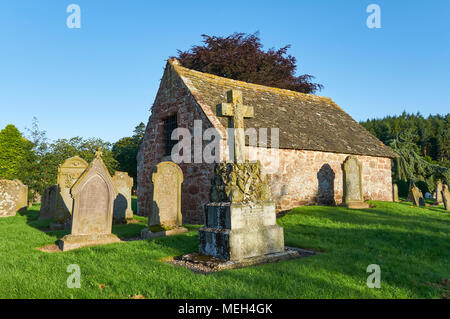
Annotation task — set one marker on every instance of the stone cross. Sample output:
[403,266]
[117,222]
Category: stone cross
[236,111]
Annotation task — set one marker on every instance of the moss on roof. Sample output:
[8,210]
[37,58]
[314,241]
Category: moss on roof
[305,121]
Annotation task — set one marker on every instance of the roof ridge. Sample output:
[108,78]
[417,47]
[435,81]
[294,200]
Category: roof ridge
[181,70]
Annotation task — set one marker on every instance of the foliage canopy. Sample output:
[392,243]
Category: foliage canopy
[240,57]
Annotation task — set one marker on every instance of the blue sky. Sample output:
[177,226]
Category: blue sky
[100,80]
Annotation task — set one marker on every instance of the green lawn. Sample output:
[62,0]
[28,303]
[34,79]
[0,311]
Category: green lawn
[410,244]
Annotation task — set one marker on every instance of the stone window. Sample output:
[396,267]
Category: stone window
[169,125]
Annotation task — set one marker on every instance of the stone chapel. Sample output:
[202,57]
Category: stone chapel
[315,136]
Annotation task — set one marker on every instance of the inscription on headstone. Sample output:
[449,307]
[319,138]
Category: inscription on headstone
[68,174]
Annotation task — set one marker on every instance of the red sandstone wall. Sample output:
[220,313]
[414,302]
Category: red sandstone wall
[302,177]
[173,98]
[323,175]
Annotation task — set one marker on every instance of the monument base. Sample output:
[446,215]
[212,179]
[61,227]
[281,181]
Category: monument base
[70,242]
[356,205]
[147,233]
[236,231]
[207,264]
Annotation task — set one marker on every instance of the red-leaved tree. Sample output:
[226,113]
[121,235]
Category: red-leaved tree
[240,57]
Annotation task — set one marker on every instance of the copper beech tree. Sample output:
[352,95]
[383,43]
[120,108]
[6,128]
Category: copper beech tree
[240,57]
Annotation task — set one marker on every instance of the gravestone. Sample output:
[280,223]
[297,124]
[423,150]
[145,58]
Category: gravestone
[48,202]
[93,201]
[68,173]
[417,197]
[411,185]
[240,220]
[439,199]
[165,215]
[36,198]
[13,197]
[394,192]
[122,203]
[353,193]
[22,202]
[446,197]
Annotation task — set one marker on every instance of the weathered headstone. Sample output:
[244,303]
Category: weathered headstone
[394,192]
[48,202]
[417,197]
[122,203]
[240,221]
[13,197]
[165,216]
[68,173]
[446,197]
[439,189]
[36,198]
[93,201]
[22,203]
[411,185]
[353,192]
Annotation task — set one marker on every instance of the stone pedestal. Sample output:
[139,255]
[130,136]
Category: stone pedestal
[235,231]
[149,233]
[356,205]
[70,242]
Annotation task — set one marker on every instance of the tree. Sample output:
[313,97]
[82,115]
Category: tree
[16,154]
[36,176]
[411,165]
[125,151]
[430,136]
[62,149]
[240,57]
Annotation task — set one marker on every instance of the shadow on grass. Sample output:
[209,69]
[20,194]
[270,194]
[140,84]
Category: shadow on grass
[120,230]
[410,217]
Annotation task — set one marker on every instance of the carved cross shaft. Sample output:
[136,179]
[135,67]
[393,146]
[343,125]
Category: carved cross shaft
[236,111]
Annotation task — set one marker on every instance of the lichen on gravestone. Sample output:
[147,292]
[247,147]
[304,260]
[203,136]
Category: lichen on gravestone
[240,182]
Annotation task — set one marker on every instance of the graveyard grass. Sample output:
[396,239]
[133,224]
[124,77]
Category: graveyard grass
[410,244]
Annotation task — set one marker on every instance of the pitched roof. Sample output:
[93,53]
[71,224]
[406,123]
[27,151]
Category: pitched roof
[305,121]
